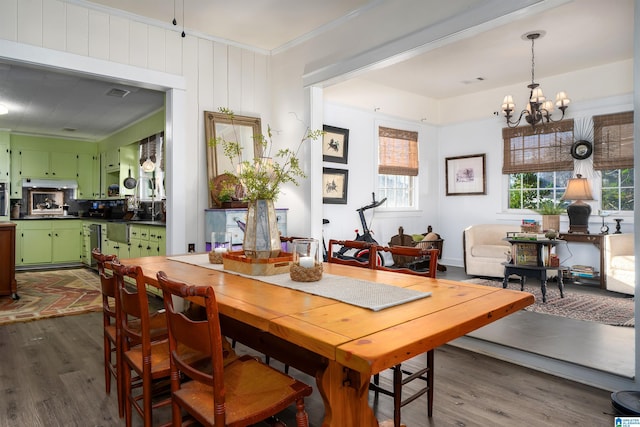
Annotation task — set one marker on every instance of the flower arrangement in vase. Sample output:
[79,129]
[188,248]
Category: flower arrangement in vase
[261,179]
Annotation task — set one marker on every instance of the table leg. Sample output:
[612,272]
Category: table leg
[523,278]
[543,285]
[505,281]
[346,397]
[560,284]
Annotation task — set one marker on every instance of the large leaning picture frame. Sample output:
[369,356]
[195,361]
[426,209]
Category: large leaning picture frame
[334,186]
[335,144]
[465,175]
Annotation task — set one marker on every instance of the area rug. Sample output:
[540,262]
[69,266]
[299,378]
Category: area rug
[45,294]
[593,307]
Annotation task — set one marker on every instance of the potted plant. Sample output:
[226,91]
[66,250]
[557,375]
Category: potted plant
[261,179]
[550,212]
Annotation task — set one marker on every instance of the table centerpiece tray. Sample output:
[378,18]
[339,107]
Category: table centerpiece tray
[237,261]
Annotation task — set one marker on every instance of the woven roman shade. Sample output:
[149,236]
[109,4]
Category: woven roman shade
[398,152]
[613,141]
[543,148]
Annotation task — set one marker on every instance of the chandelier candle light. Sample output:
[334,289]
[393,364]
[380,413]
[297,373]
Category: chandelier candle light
[538,109]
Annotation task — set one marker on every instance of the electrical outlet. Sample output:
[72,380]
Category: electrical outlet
[192,247]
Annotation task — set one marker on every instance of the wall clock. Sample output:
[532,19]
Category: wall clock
[581,150]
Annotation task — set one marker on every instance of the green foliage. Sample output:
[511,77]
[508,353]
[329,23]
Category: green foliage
[548,207]
[262,177]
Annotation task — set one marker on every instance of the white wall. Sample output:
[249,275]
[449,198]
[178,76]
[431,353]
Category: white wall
[106,43]
[362,167]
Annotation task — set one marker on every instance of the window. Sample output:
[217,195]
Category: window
[613,156]
[397,166]
[539,163]
[151,183]
[617,190]
[527,190]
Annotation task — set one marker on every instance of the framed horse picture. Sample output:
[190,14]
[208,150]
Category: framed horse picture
[334,186]
[335,144]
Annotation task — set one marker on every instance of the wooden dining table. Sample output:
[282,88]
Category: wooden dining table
[340,344]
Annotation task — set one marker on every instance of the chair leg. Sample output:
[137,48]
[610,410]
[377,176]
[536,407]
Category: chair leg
[302,419]
[107,361]
[431,367]
[397,394]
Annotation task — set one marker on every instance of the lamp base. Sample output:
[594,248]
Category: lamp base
[578,213]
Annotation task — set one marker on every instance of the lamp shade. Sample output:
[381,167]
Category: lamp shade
[577,189]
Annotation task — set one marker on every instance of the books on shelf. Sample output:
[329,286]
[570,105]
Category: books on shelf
[583,271]
[526,236]
[524,254]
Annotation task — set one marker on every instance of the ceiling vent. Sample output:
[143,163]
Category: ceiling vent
[118,93]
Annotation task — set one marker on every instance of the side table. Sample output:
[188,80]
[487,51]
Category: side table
[539,273]
[532,260]
[596,240]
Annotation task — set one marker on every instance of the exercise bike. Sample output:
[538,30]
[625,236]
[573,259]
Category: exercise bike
[363,254]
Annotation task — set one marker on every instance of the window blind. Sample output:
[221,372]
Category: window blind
[543,148]
[613,141]
[398,152]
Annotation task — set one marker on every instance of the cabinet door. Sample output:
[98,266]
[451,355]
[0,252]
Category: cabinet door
[66,245]
[5,160]
[88,177]
[112,160]
[35,164]
[16,174]
[135,248]
[157,241]
[63,165]
[36,246]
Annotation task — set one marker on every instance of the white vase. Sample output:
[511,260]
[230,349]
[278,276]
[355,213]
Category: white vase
[261,235]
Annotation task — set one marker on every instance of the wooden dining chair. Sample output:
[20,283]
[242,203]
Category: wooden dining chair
[144,346]
[416,260]
[241,392]
[401,375]
[350,252]
[109,324]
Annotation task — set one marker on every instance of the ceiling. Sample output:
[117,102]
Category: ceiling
[74,107]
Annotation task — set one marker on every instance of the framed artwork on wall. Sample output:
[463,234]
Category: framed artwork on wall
[335,144]
[334,185]
[465,175]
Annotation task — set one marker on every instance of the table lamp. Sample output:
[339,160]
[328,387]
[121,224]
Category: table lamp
[578,189]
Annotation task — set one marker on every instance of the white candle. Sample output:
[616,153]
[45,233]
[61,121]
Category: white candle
[306,261]
[220,250]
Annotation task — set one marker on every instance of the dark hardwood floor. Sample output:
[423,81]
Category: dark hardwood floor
[52,375]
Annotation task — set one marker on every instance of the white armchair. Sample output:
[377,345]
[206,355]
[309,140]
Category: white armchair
[485,250]
[620,263]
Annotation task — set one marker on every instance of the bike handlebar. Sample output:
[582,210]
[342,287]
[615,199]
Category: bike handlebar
[373,204]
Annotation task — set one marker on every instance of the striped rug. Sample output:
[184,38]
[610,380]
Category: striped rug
[592,305]
[54,293]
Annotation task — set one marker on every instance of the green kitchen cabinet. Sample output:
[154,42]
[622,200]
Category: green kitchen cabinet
[66,241]
[39,164]
[88,176]
[35,242]
[41,242]
[157,241]
[5,159]
[35,163]
[63,165]
[16,174]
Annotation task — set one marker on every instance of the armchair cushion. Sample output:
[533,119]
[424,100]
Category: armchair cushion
[620,263]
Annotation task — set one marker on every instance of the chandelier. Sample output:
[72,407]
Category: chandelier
[539,109]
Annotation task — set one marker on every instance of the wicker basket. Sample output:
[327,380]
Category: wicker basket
[304,274]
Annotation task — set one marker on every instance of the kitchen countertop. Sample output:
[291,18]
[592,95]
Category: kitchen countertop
[94,220]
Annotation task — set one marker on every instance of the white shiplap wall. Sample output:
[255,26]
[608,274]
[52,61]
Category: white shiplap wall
[213,73]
